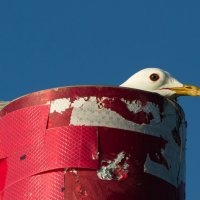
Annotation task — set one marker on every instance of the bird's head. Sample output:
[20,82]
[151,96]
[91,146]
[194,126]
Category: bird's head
[161,82]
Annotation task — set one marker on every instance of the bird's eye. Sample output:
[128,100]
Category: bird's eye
[154,77]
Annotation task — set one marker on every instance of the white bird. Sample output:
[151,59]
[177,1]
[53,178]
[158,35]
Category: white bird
[161,82]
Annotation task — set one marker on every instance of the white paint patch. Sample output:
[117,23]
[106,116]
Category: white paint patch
[174,154]
[114,170]
[60,105]
[78,103]
[154,110]
[92,113]
[159,170]
[134,106]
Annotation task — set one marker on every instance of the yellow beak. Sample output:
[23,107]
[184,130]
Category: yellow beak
[186,90]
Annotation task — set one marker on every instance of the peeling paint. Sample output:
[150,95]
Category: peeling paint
[133,106]
[90,114]
[60,105]
[116,169]
[78,102]
[154,109]
[91,111]
[158,170]
[173,152]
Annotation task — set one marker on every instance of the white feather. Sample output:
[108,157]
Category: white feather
[141,80]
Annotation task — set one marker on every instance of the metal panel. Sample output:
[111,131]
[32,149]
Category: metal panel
[136,137]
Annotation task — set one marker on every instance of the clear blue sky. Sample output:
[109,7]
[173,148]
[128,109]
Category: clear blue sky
[45,44]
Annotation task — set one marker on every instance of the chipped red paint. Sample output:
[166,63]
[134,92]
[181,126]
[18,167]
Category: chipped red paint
[65,166]
[120,107]
[74,93]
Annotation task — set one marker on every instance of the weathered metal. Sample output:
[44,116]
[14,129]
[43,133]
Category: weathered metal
[92,143]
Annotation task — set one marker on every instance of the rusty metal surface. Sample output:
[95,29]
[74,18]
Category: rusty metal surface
[92,143]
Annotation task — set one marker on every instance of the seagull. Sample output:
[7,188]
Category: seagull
[159,81]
